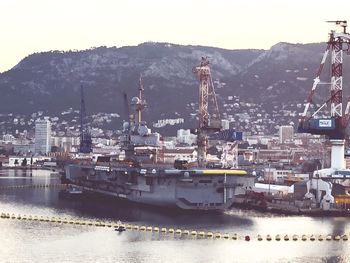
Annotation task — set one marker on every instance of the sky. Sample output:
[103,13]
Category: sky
[29,26]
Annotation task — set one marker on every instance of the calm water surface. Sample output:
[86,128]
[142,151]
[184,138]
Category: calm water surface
[29,241]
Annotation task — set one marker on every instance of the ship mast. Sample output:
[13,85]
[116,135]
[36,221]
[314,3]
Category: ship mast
[209,117]
[142,104]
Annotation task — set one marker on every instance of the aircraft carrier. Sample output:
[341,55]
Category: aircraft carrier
[141,176]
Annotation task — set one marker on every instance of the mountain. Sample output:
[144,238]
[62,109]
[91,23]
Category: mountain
[248,82]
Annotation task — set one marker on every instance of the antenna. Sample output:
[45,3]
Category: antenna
[342,23]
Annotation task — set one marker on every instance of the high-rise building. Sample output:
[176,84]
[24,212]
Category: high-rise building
[286,133]
[42,136]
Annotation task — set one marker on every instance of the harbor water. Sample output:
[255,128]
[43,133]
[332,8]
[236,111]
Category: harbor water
[35,241]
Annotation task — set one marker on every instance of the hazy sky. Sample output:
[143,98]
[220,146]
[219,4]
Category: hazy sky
[28,26]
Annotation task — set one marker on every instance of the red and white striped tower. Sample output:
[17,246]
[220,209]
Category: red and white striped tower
[337,44]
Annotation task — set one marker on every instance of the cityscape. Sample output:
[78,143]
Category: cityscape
[186,131]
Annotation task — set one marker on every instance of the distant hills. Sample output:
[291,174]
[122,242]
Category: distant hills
[268,80]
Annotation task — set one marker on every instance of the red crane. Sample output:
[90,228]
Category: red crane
[331,118]
[335,123]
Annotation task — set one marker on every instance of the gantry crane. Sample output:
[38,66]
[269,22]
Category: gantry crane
[209,117]
[331,118]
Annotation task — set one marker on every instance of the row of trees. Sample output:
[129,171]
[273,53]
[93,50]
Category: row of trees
[24,162]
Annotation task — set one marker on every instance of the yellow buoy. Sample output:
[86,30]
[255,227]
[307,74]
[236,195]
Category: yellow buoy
[171,230]
[156,229]
[312,238]
[128,226]
[201,234]
[13,216]
[178,231]
[320,238]
[286,238]
[210,234]
[278,237]
[186,232]
[295,237]
[163,230]
[136,227]
[304,237]
[217,235]
[337,238]
[268,238]
[19,217]
[345,237]
[259,237]
[329,238]
[193,233]
[142,228]
[234,236]
[226,236]
[149,228]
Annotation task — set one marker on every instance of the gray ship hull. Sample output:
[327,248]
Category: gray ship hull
[206,189]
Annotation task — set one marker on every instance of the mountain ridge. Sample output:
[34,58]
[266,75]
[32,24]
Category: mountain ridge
[277,78]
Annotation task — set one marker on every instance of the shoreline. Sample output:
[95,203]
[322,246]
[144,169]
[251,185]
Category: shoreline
[313,212]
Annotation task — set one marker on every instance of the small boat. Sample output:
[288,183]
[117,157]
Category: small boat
[74,190]
[71,192]
[119,227]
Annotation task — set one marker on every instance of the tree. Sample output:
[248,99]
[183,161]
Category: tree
[24,162]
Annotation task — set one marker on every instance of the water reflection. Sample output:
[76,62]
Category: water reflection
[25,241]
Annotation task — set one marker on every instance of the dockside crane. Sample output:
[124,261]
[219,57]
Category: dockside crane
[209,117]
[331,118]
[85,136]
[209,125]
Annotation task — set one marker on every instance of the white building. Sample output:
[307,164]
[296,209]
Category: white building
[42,136]
[18,160]
[8,138]
[286,133]
[186,137]
[65,142]
[225,124]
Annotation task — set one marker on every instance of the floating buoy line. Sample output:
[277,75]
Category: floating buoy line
[172,231]
[27,186]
